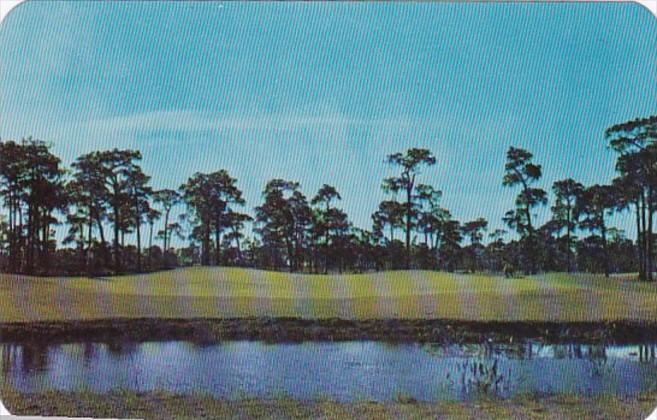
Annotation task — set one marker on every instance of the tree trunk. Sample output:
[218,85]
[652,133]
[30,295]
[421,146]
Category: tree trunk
[290,254]
[103,242]
[138,227]
[89,240]
[117,257]
[166,230]
[217,246]
[11,228]
[531,249]
[20,236]
[639,241]
[205,257]
[45,257]
[30,238]
[13,260]
[603,232]
[644,242]
[409,204]
[237,241]
[650,242]
[569,250]
[83,251]
[150,246]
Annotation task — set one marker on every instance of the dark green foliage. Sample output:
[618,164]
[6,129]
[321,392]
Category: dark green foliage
[474,252]
[33,190]
[410,164]
[108,191]
[565,217]
[636,143]
[283,223]
[520,171]
[210,199]
[595,203]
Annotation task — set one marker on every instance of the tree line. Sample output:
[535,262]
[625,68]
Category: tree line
[105,197]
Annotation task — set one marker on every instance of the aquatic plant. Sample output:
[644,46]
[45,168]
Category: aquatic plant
[483,377]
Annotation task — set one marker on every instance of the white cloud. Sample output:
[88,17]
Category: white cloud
[194,121]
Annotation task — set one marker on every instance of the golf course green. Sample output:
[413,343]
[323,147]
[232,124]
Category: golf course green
[202,292]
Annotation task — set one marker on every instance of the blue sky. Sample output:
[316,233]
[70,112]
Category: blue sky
[320,93]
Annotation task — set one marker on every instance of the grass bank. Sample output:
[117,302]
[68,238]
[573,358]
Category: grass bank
[156,405]
[278,330]
[202,292]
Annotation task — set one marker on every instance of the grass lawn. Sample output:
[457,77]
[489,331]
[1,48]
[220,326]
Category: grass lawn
[235,292]
[156,405]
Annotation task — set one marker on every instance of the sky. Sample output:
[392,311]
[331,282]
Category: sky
[322,92]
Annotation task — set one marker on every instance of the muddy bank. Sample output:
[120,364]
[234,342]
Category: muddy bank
[295,330]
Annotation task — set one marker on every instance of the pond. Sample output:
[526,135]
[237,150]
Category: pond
[342,371]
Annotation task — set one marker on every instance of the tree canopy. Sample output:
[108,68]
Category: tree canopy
[206,220]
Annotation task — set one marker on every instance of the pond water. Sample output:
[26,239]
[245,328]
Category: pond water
[343,371]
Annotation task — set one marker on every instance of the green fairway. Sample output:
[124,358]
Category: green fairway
[234,292]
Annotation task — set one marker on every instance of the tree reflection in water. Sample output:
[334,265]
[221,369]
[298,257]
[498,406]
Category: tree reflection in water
[455,371]
[34,357]
[10,353]
[122,348]
[647,353]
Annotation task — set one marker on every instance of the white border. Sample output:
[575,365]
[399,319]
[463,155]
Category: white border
[7,5]
[3,410]
[651,5]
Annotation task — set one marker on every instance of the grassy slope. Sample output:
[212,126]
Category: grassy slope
[234,292]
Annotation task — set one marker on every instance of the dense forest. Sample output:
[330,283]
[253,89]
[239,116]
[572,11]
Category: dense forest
[117,223]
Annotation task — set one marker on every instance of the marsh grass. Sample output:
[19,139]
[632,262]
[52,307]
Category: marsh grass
[481,377]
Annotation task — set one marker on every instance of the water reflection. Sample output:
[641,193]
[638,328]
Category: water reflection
[89,353]
[122,348]
[34,358]
[647,353]
[535,350]
[9,355]
[343,371]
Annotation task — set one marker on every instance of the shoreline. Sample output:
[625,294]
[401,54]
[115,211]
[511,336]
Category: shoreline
[157,405]
[445,331]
